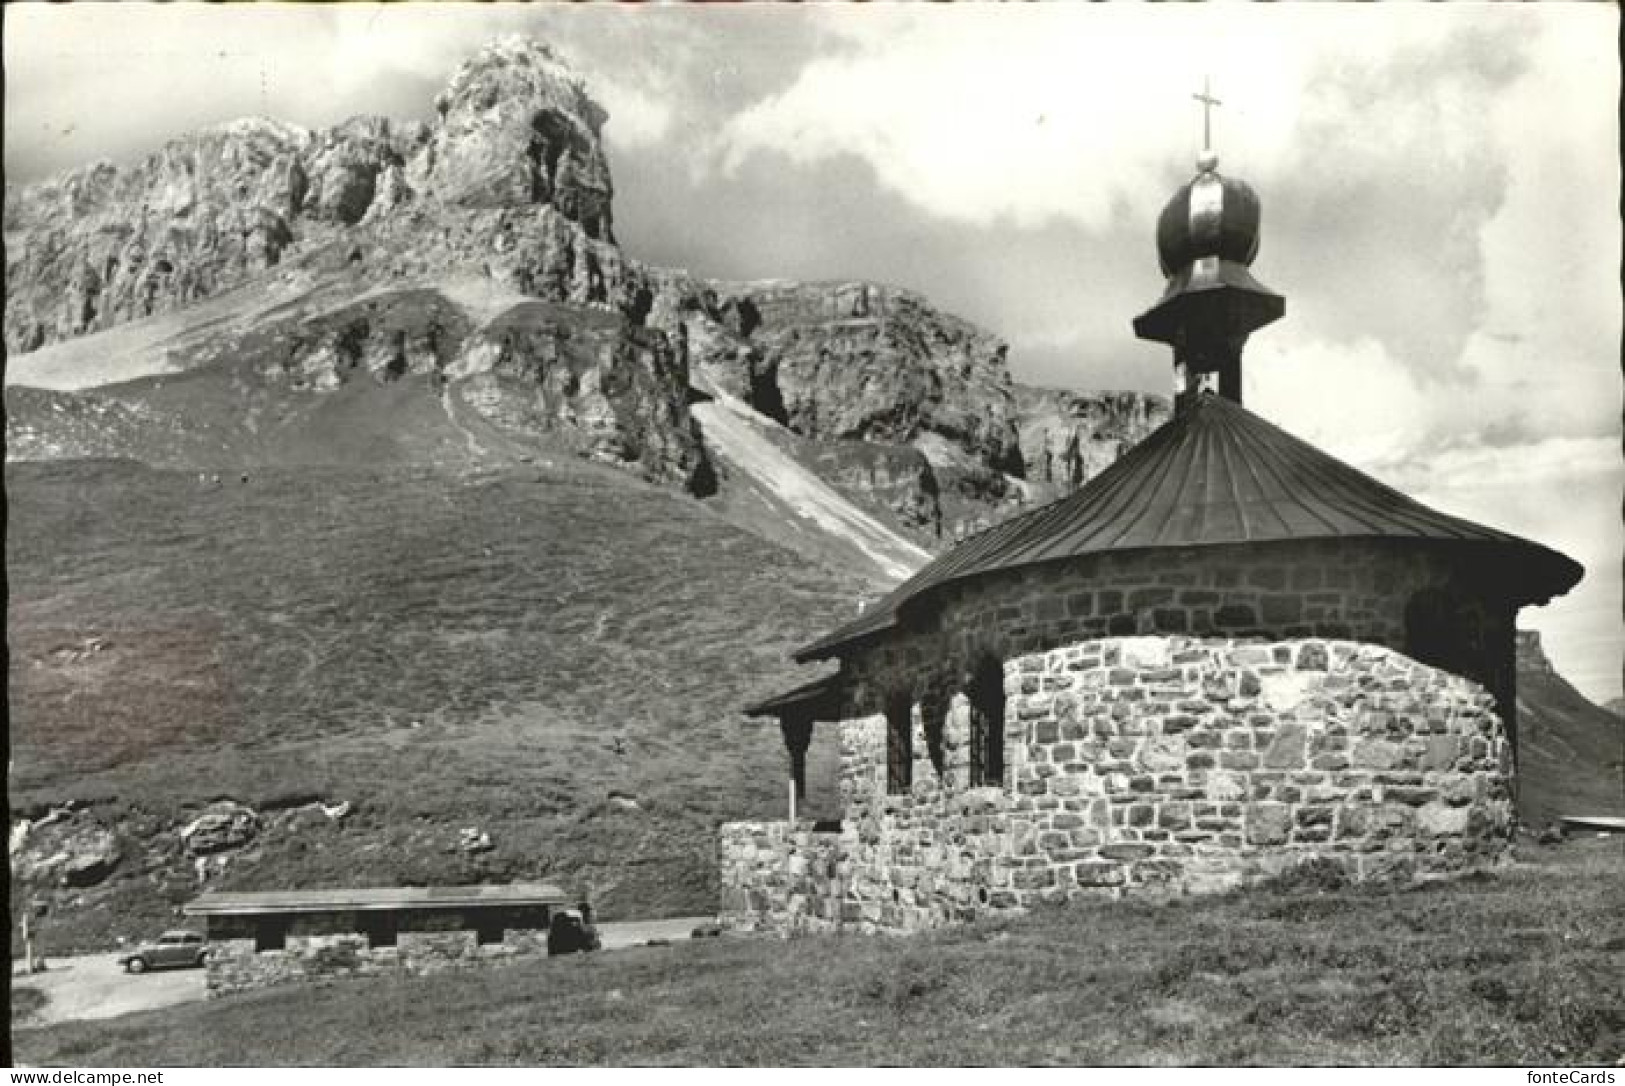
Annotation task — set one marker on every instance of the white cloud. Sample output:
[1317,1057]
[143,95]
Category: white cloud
[1564,492]
[1353,400]
[1025,115]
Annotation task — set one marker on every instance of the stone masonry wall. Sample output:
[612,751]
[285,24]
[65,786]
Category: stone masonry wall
[235,966]
[1353,589]
[782,878]
[1147,764]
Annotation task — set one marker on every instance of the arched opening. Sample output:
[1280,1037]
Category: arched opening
[986,695]
[899,743]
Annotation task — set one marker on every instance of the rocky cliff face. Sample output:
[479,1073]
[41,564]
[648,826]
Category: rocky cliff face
[1571,752]
[856,361]
[103,245]
[508,185]
[1067,438]
[369,224]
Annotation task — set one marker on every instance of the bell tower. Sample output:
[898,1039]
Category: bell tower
[1207,237]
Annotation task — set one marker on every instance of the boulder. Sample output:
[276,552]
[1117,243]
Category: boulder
[67,851]
[223,825]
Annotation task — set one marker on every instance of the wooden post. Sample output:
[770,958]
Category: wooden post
[792,789]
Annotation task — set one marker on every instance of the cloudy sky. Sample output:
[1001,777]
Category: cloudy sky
[1440,188]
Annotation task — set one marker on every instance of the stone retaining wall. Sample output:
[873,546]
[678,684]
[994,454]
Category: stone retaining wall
[1146,764]
[235,966]
[782,878]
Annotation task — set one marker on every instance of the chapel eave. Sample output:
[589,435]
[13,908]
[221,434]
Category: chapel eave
[1215,475]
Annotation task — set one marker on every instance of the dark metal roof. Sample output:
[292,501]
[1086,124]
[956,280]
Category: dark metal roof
[226,903]
[816,695]
[1214,474]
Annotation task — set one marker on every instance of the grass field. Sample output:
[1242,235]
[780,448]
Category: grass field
[500,648]
[1526,966]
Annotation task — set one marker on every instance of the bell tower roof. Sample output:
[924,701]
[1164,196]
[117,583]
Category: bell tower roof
[1207,239]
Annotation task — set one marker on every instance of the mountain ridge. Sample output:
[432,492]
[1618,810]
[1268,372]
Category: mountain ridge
[377,249]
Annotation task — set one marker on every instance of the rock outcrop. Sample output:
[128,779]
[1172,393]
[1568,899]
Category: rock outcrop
[365,226]
[65,848]
[507,185]
[857,361]
[516,127]
[101,245]
[106,244]
[224,825]
[1067,438]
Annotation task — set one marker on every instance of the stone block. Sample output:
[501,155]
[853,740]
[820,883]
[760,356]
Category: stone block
[1278,610]
[1441,752]
[1285,691]
[1287,750]
[1377,754]
[1312,657]
[1174,816]
[1315,815]
[1127,851]
[1459,789]
[1222,785]
[1442,820]
[1149,597]
[1053,840]
[1037,878]
[1099,873]
[1157,872]
[1162,753]
[1170,620]
[1268,823]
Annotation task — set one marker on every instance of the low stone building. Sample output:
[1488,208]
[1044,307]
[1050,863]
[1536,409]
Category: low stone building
[1226,654]
[259,939]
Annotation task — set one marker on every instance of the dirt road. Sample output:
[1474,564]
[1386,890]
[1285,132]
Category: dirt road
[96,986]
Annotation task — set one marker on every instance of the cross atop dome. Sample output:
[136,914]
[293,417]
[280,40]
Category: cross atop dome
[1207,161]
[1207,237]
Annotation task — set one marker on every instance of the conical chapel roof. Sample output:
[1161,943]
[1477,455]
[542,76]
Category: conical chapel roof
[1215,474]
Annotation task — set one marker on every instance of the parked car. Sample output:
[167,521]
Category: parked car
[171,949]
[572,931]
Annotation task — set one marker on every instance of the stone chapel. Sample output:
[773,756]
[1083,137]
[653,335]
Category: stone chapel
[1225,655]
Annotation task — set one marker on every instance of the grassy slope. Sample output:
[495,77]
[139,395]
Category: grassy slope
[1570,762]
[1524,967]
[442,647]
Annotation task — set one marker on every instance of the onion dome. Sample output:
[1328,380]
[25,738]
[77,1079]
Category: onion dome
[1207,237]
[1211,215]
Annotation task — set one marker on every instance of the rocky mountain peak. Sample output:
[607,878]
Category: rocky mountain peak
[514,130]
[1531,654]
[516,126]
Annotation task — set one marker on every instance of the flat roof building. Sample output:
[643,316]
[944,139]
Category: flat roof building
[267,937]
